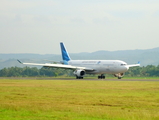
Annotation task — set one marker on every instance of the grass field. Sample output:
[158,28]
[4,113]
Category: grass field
[78,100]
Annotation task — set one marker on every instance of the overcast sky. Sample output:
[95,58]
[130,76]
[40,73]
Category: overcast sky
[38,26]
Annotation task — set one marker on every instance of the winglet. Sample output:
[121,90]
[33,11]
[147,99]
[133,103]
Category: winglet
[19,61]
[138,63]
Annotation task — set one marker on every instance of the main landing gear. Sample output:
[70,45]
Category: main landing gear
[79,77]
[101,76]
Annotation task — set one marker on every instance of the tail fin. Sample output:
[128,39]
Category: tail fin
[65,55]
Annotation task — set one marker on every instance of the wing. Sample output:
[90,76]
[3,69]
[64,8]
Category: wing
[133,65]
[57,66]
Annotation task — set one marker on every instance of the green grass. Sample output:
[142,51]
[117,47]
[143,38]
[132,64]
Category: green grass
[78,100]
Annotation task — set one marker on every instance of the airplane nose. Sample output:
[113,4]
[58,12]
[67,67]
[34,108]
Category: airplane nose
[125,68]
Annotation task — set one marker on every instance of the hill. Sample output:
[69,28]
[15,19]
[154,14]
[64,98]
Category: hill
[146,57]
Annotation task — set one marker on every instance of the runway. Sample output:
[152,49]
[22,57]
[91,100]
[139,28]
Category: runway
[108,79]
[85,79]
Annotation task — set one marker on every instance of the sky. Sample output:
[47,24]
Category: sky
[38,26]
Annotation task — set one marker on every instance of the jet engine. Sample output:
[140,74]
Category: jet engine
[79,74]
[119,75]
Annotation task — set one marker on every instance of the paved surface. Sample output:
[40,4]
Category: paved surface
[107,79]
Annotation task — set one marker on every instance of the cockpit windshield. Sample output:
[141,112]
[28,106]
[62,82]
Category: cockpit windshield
[123,64]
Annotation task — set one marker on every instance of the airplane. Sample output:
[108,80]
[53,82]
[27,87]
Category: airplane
[83,67]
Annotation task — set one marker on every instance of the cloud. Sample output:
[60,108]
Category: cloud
[103,23]
[67,12]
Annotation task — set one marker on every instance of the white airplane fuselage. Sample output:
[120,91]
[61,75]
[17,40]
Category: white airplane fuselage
[101,66]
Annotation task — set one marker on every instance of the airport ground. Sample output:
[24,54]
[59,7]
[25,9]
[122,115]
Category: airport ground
[71,99]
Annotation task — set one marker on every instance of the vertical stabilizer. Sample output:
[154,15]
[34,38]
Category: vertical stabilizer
[65,55]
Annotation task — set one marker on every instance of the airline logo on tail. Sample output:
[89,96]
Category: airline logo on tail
[65,55]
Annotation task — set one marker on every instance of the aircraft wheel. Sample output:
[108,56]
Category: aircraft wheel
[79,77]
[101,77]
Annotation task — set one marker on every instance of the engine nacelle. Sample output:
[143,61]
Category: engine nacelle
[119,75]
[79,73]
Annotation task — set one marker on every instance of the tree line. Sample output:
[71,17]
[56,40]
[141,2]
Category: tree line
[33,72]
[148,71]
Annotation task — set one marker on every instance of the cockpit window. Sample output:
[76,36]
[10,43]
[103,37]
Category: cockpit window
[123,64]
